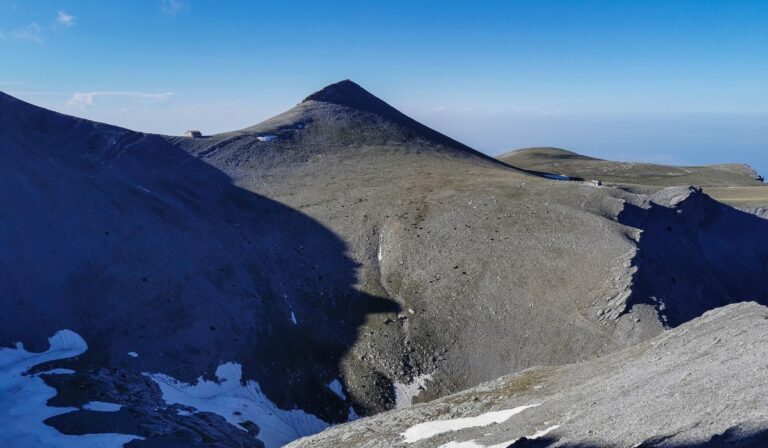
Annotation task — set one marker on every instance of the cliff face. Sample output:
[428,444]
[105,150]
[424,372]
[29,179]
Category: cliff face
[694,254]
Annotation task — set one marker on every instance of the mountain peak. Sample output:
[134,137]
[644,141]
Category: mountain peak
[350,94]
[357,104]
[342,92]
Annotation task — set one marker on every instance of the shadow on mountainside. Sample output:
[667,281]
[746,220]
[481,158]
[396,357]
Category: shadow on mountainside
[139,247]
[696,256]
[731,438]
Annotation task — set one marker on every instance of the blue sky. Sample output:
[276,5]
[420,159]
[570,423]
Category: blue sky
[682,82]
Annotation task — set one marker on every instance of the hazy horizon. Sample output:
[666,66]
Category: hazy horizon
[668,82]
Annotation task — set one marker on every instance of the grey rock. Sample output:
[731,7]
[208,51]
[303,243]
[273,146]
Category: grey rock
[699,385]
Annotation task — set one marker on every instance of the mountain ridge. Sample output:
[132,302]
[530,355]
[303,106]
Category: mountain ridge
[575,165]
[547,152]
[339,117]
[344,263]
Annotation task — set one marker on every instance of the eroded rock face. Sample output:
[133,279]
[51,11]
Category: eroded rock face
[698,385]
[695,254]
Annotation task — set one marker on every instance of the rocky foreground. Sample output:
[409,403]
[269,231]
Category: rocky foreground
[701,384]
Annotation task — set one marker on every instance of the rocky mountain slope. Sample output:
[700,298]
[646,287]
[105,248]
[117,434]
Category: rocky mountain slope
[335,261]
[698,385]
[561,161]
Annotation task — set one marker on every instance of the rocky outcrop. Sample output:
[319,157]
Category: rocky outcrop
[758,211]
[695,254]
[142,412]
[695,386]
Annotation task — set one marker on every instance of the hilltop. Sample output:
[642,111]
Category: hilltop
[736,184]
[561,161]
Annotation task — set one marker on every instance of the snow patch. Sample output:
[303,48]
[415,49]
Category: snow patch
[293,318]
[229,395]
[266,138]
[430,429]
[337,388]
[24,398]
[102,406]
[58,372]
[467,444]
[133,354]
[405,393]
[508,443]
[542,433]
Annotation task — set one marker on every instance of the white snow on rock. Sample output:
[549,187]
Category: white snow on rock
[24,397]
[266,138]
[337,388]
[229,395]
[293,318]
[102,406]
[59,372]
[379,255]
[543,432]
[467,444]
[430,429]
[473,444]
[404,393]
[133,354]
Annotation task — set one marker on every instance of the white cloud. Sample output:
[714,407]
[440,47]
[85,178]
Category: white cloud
[34,32]
[173,7]
[84,100]
[31,33]
[67,20]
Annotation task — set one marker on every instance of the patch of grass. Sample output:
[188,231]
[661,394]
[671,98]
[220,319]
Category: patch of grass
[525,381]
[559,161]
[740,196]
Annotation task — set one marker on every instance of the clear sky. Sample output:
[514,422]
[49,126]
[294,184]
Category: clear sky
[671,81]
